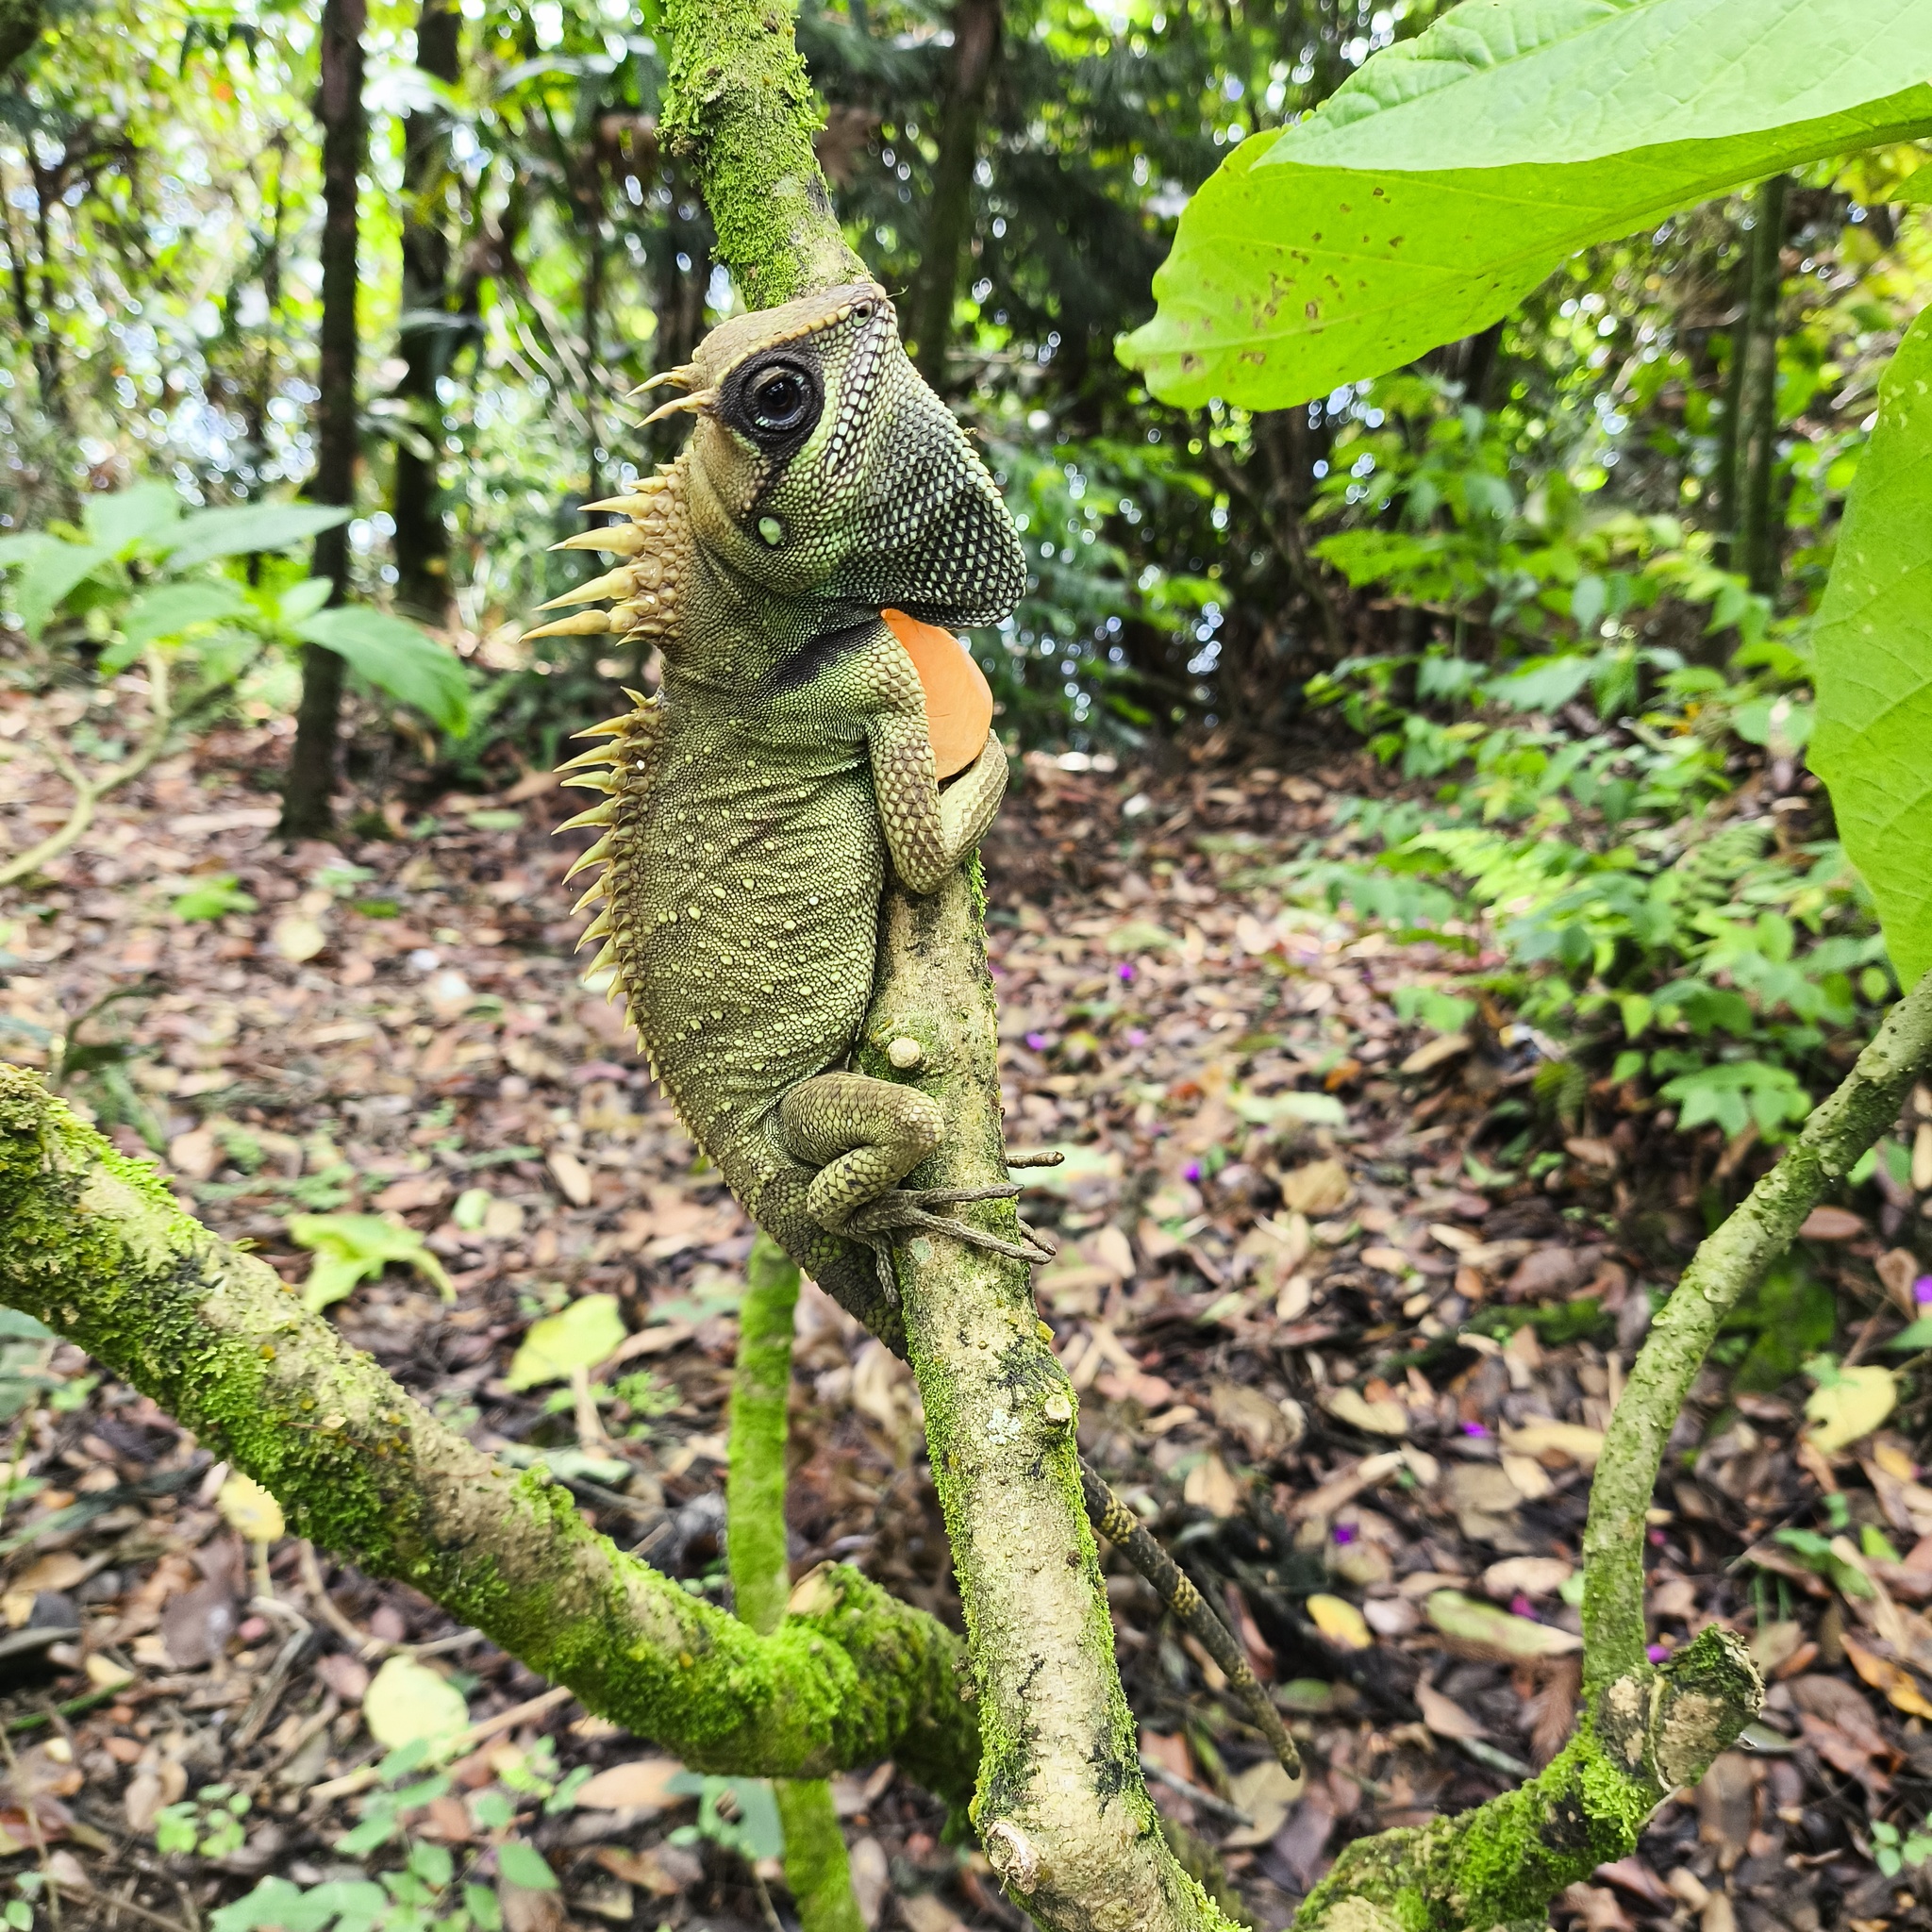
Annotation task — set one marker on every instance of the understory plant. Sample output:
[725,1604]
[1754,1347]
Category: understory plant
[1599,728]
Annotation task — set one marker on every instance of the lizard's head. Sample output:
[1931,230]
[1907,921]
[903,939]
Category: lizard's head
[823,467]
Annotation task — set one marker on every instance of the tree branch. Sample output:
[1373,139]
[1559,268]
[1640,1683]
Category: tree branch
[1646,1731]
[816,1868]
[96,1247]
[1732,1262]
[741,108]
[1061,1808]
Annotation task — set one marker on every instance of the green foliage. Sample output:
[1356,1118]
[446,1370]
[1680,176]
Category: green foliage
[428,1890]
[396,657]
[349,1248]
[133,579]
[1450,175]
[209,1824]
[1581,815]
[578,1337]
[1892,1853]
[213,897]
[1873,645]
[739,1813]
[1788,1317]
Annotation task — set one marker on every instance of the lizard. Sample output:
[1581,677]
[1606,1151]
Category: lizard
[751,808]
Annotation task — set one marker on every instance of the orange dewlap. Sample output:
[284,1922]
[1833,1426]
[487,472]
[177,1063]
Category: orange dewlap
[959,700]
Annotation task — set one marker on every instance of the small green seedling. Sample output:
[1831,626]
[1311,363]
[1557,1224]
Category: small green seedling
[1891,1854]
[209,1824]
[214,897]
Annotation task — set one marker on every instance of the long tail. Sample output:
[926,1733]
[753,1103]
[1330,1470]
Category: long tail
[1112,1519]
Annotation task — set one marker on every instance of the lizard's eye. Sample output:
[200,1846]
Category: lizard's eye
[780,398]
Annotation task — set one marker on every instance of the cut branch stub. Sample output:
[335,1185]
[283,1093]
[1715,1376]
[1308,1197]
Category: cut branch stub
[1650,1733]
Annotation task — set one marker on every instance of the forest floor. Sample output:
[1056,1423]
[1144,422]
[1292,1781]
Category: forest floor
[1350,1346]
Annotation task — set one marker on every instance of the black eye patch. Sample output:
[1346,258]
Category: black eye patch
[775,399]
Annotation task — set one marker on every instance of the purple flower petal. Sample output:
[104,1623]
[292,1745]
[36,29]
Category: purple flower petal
[1038,1041]
[1345,1533]
[1922,1289]
[1137,1036]
[1193,1171]
[1125,971]
[1474,1429]
[1657,1653]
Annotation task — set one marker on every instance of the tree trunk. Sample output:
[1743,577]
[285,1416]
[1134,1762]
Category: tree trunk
[1747,432]
[306,809]
[20,22]
[422,535]
[261,388]
[949,219]
[1757,524]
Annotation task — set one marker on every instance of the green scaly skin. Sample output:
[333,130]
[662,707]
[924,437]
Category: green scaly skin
[753,805]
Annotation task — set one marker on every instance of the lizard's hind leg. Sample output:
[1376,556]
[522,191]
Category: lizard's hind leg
[864,1136]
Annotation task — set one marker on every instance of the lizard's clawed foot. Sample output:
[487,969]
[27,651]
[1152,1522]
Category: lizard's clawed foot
[909,1209]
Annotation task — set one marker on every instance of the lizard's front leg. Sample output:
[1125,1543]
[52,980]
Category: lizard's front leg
[929,831]
[864,1136]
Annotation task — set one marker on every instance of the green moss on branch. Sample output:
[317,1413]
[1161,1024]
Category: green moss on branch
[816,1868]
[741,107]
[95,1246]
[1733,1260]
[1505,1861]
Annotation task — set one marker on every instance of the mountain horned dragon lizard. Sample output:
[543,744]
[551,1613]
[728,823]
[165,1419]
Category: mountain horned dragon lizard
[752,806]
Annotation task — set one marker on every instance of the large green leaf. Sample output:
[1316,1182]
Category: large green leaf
[1872,742]
[397,657]
[252,526]
[171,609]
[49,574]
[1453,173]
[122,516]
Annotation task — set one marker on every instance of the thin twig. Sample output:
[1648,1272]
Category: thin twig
[163,719]
[1202,1800]
[87,1893]
[461,1745]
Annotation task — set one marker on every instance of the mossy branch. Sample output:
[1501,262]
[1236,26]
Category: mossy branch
[1646,1731]
[1729,1264]
[741,108]
[95,1246]
[1061,1808]
[816,1869]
